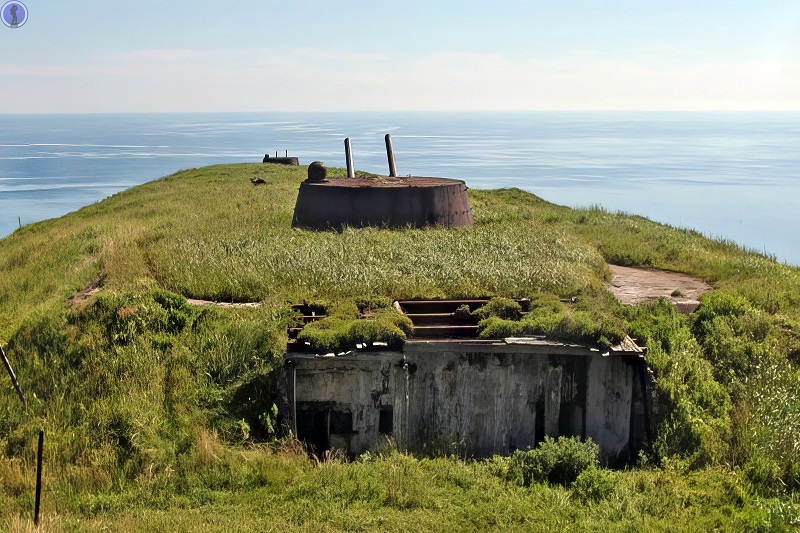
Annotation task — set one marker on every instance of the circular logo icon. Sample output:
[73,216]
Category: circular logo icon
[14,14]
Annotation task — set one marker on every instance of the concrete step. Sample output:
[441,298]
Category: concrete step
[416,307]
[436,319]
[427,332]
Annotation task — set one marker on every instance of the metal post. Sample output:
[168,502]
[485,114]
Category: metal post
[13,378]
[294,397]
[390,155]
[348,154]
[38,478]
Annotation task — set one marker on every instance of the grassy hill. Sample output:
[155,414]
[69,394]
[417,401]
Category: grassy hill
[158,414]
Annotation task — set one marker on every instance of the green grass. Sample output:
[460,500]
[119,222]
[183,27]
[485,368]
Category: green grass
[261,489]
[157,413]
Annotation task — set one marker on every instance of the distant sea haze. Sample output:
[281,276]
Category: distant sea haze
[727,175]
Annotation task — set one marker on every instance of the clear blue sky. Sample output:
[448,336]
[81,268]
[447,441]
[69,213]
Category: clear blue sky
[143,56]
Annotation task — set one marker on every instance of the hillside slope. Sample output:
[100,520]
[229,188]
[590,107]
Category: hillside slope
[152,404]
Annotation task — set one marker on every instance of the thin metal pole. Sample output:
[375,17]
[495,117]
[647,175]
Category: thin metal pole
[13,378]
[38,478]
[294,397]
[328,444]
[390,155]
[348,154]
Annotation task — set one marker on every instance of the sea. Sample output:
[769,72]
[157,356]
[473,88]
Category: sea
[731,176]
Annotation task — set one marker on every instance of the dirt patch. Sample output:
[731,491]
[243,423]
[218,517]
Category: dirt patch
[91,289]
[634,286]
[192,301]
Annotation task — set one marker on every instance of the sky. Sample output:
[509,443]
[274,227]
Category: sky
[96,56]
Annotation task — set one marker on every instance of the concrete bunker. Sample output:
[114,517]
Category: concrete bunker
[481,397]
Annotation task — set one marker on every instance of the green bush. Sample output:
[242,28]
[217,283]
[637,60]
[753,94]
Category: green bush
[556,461]
[765,476]
[719,303]
[594,484]
[695,423]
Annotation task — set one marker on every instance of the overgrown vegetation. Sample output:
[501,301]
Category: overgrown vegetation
[557,461]
[348,325]
[595,318]
[159,415]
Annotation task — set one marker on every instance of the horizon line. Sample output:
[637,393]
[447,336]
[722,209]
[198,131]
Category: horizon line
[566,110]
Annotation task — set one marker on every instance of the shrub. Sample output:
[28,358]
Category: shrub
[719,303]
[764,475]
[594,484]
[696,424]
[556,461]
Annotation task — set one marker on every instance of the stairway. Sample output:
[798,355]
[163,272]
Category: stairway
[440,319]
[432,319]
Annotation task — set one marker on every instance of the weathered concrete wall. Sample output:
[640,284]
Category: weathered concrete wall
[609,398]
[359,384]
[481,403]
[497,398]
[478,399]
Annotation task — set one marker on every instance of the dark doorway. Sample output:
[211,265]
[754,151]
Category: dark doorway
[386,420]
[312,426]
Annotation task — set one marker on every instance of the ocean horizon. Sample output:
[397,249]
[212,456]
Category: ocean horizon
[727,175]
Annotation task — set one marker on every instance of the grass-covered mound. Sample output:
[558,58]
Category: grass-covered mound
[156,412]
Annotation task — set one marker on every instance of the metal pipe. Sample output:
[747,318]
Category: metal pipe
[348,154]
[13,378]
[390,155]
[38,478]
[294,397]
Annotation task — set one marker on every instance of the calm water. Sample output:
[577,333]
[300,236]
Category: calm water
[728,175]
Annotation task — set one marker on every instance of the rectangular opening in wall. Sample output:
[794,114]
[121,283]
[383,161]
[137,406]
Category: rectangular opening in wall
[570,421]
[386,421]
[539,422]
[341,422]
[312,425]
